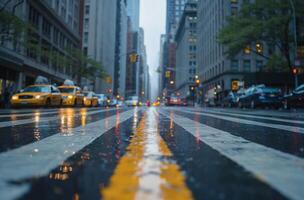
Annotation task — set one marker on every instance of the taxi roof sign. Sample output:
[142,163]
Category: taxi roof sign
[68,83]
[41,80]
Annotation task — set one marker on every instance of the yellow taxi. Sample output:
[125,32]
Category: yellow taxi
[90,99]
[156,103]
[71,95]
[37,95]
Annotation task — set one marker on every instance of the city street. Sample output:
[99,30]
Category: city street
[151,153]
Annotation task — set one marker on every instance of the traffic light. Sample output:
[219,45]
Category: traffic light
[168,74]
[134,58]
[235,85]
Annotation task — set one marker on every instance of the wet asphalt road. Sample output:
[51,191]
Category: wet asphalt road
[151,153]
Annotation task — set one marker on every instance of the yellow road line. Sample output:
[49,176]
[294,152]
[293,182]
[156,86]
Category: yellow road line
[145,171]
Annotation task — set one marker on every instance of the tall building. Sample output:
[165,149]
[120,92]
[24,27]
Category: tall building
[133,12]
[131,75]
[57,26]
[143,69]
[174,12]
[120,71]
[133,46]
[216,70]
[186,44]
[161,69]
[99,40]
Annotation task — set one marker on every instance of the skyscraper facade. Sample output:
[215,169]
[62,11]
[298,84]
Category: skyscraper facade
[99,40]
[186,45]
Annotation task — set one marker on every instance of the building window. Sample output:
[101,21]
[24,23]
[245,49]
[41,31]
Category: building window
[86,37]
[247,66]
[234,65]
[46,28]
[55,36]
[86,23]
[85,51]
[87,9]
[34,17]
[259,65]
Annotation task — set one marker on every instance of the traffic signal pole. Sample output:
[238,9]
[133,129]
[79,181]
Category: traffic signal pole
[295,38]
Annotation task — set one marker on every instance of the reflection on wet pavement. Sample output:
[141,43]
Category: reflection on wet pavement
[147,170]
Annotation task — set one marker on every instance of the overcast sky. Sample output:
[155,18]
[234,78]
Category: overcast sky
[152,19]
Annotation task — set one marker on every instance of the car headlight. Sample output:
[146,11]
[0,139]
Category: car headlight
[37,97]
[15,97]
[70,97]
[84,98]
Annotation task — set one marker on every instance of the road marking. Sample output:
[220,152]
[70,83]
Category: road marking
[294,129]
[145,171]
[19,113]
[253,116]
[61,114]
[282,171]
[271,113]
[39,158]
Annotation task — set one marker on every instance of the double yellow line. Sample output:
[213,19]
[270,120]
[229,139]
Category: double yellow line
[146,171]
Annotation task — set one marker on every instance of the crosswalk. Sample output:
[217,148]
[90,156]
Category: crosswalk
[156,154]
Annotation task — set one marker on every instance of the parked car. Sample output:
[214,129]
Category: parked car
[90,99]
[102,100]
[261,96]
[71,95]
[37,95]
[132,101]
[232,99]
[295,98]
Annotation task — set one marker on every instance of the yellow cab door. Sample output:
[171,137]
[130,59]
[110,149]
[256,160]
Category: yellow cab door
[55,96]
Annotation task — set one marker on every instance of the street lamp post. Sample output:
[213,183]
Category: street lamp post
[295,37]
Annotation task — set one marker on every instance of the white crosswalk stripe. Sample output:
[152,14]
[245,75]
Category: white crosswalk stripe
[45,119]
[39,158]
[253,116]
[294,129]
[280,170]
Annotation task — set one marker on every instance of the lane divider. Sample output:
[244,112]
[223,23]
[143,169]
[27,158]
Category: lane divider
[147,170]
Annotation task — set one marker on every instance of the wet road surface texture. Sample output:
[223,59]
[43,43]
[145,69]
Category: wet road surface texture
[151,153]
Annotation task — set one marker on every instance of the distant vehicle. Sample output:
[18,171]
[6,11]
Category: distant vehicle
[173,101]
[37,95]
[261,96]
[71,95]
[90,100]
[232,99]
[132,101]
[295,98]
[120,104]
[148,103]
[156,103]
[113,102]
[102,100]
